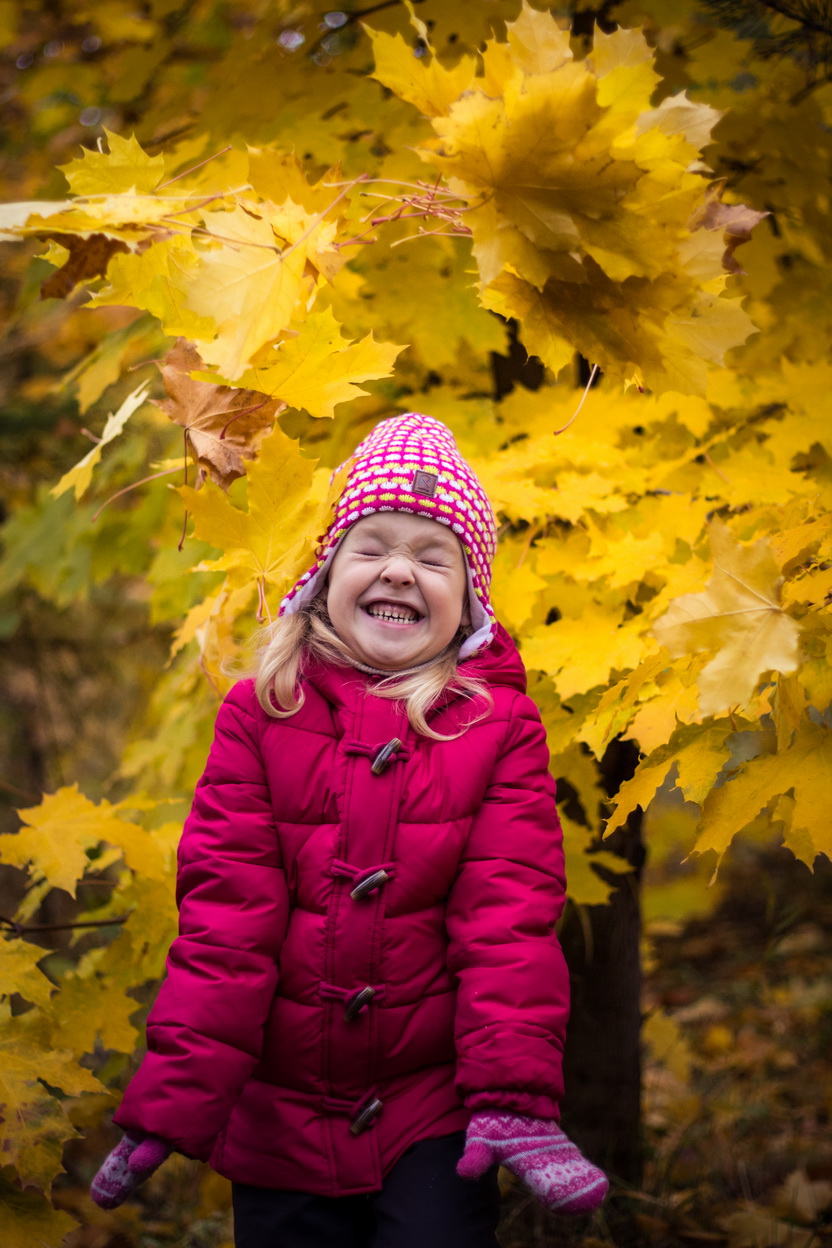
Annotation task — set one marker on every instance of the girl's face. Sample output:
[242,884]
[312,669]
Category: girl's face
[397,590]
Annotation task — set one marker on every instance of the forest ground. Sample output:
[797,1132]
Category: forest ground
[737,1094]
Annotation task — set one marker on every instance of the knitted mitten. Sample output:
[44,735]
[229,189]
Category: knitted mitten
[129,1164]
[539,1154]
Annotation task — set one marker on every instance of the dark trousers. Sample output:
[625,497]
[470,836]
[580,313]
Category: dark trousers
[422,1204]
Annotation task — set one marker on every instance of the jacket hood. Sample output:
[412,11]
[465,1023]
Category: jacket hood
[499,663]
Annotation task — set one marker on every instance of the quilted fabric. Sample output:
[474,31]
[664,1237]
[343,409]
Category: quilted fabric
[252,1063]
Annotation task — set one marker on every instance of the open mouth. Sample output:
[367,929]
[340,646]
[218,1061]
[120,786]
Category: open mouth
[393,613]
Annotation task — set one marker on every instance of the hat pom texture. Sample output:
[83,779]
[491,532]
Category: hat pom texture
[412,463]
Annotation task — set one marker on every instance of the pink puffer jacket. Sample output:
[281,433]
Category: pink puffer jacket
[367,950]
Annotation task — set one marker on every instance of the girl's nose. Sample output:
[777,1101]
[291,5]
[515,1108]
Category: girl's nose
[397,571]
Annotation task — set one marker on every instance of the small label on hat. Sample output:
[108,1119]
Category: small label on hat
[425,483]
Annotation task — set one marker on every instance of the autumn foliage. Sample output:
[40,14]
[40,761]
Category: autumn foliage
[340,222]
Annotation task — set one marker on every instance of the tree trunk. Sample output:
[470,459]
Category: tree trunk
[602,1106]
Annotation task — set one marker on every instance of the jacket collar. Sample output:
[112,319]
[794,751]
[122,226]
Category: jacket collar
[498,664]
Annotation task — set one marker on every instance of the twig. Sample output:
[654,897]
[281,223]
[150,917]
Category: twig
[12,788]
[185,173]
[20,929]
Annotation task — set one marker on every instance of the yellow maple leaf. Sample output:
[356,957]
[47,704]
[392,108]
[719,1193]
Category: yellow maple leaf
[698,752]
[804,769]
[516,587]
[580,653]
[79,477]
[125,167]
[35,1126]
[317,368]
[739,616]
[585,212]
[57,834]
[270,543]
[431,87]
[157,280]
[29,1219]
[583,883]
[88,1009]
[253,278]
[537,44]
[19,971]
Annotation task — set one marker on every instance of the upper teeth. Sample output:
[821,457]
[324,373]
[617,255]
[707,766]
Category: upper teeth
[392,613]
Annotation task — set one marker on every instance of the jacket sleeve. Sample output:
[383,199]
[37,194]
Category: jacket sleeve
[205,1031]
[513,984]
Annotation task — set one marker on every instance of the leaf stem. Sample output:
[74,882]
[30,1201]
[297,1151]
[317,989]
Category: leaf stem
[574,415]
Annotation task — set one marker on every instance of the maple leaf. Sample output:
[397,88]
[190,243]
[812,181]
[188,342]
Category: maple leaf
[804,770]
[735,220]
[586,887]
[584,211]
[739,615]
[29,1219]
[34,1124]
[431,87]
[79,477]
[254,277]
[88,257]
[698,753]
[19,971]
[270,543]
[57,835]
[125,167]
[224,425]
[89,1009]
[157,280]
[318,368]
[569,649]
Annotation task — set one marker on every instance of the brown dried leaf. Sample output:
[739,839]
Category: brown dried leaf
[88,257]
[735,220]
[223,425]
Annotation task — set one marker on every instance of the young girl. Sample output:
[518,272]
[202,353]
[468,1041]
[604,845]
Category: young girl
[368,885]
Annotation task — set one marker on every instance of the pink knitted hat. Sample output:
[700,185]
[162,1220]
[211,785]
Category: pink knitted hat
[412,463]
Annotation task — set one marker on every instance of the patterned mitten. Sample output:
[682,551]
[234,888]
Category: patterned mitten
[129,1164]
[539,1154]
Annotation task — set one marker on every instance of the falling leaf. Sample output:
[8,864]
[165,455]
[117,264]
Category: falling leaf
[79,477]
[735,220]
[270,543]
[586,215]
[125,167]
[253,278]
[318,368]
[739,616]
[431,87]
[223,425]
[88,257]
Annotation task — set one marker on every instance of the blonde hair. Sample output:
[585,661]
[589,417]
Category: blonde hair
[289,643]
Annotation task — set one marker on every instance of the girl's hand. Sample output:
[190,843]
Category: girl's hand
[129,1164]
[539,1154]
